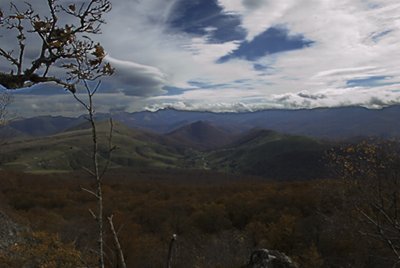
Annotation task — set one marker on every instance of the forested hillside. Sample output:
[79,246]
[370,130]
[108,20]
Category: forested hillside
[218,219]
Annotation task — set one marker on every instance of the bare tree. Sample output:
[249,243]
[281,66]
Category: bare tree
[116,241]
[170,251]
[371,176]
[67,56]
[95,169]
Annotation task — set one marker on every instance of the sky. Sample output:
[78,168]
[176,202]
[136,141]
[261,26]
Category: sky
[239,55]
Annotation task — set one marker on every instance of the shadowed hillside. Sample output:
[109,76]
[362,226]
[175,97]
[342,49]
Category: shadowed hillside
[273,155]
[200,135]
[44,125]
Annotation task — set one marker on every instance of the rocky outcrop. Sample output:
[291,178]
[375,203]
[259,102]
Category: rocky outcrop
[264,258]
[10,232]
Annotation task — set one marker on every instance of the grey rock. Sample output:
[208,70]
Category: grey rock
[10,232]
[264,258]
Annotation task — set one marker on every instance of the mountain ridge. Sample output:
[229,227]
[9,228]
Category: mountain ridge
[329,123]
[69,151]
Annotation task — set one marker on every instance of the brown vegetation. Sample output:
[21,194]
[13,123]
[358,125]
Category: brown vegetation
[218,219]
[370,172]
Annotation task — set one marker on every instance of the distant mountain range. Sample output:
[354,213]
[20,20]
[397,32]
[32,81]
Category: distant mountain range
[44,125]
[275,144]
[198,145]
[327,123]
[330,123]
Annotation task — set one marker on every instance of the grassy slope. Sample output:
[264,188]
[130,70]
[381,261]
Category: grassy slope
[71,150]
[261,153]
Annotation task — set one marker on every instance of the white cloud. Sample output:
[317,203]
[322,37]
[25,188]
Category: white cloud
[353,39]
[66,105]
[333,97]
[136,79]
[343,49]
[258,15]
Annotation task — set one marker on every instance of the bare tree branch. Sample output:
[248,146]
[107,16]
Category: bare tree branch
[62,46]
[90,192]
[170,250]
[93,214]
[111,148]
[371,171]
[116,241]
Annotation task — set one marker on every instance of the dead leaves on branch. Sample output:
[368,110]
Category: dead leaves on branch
[68,46]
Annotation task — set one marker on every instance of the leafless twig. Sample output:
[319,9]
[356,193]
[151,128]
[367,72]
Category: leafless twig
[116,241]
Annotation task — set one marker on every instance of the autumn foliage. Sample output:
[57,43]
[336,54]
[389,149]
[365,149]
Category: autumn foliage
[59,47]
[219,219]
[42,250]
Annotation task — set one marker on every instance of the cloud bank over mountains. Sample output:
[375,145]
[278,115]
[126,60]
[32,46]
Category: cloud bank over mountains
[236,55]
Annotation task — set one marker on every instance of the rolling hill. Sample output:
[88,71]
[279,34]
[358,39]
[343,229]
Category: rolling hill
[200,135]
[70,150]
[44,125]
[8,133]
[272,155]
[200,145]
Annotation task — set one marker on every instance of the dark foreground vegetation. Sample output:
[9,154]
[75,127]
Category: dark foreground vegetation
[219,219]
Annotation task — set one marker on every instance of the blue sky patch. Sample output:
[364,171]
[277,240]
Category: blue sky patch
[173,91]
[372,81]
[371,4]
[242,81]
[271,41]
[205,85]
[378,36]
[260,67]
[199,16]
[41,90]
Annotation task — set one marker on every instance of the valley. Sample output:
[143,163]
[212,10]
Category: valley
[199,145]
[221,187]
